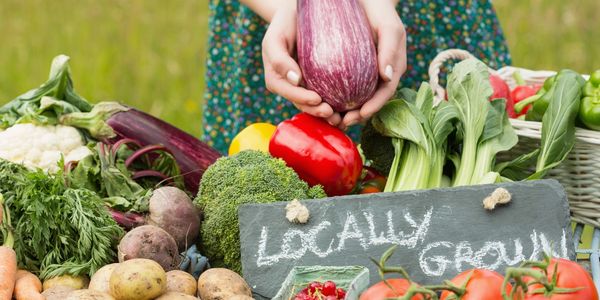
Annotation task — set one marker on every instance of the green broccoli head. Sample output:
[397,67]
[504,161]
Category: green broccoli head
[247,177]
[377,148]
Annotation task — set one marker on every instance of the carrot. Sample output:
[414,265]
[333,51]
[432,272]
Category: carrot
[27,287]
[8,258]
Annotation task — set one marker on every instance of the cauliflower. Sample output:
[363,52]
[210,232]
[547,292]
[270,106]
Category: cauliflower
[42,146]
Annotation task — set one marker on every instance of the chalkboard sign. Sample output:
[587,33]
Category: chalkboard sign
[439,233]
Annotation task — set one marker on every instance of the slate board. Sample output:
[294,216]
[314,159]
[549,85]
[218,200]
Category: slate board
[439,233]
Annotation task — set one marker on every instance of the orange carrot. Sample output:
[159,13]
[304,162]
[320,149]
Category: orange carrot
[27,287]
[8,259]
[8,271]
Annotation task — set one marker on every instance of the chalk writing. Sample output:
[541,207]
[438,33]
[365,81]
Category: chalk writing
[296,243]
[435,258]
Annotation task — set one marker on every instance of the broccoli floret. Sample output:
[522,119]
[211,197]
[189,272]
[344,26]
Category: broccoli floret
[247,177]
[377,148]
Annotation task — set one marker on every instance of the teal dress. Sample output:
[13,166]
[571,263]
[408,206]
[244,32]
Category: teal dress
[235,92]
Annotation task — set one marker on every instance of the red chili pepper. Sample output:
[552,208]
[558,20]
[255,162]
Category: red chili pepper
[318,152]
[523,92]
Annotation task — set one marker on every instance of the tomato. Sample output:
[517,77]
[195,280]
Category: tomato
[569,275]
[381,291]
[482,284]
[373,182]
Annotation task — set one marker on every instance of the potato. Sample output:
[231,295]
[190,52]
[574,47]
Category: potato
[182,282]
[100,279]
[58,292]
[151,242]
[240,297]
[76,282]
[138,279]
[176,296]
[219,283]
[172,210]
[88,295]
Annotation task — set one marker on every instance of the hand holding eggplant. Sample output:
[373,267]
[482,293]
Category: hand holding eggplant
[343,76]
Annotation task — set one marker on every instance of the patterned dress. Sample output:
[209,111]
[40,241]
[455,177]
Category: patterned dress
[236,95]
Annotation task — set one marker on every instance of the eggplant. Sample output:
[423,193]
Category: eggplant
[336,52]
[111,122]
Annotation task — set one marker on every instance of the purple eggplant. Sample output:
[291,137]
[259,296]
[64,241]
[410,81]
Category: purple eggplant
[110,121]
[336,52]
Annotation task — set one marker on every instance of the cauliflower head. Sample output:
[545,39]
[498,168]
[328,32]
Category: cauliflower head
[42,147]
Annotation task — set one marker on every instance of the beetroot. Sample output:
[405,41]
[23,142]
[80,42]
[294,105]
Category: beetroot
[150,242]
[172,210]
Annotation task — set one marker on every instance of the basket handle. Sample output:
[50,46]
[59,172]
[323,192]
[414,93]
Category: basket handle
[436,64]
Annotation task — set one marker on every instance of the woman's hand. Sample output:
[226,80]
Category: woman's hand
[283,75]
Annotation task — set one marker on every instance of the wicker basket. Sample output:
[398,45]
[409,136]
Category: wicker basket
[579,173]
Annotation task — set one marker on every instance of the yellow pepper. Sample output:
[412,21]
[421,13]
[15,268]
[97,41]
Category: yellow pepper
[254,137]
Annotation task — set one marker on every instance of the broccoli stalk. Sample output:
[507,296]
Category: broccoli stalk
[247,177]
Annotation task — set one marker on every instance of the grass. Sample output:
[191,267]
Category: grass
[146,53]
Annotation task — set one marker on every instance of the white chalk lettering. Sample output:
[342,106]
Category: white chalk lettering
[441,262]
[375,239]
[351,231]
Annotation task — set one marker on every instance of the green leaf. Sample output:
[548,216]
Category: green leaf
[469,90]
[558,123]
[28,107]
[520,167]
[500,137]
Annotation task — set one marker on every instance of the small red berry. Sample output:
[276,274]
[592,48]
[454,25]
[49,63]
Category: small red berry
[314,287]
[329,288]
[303,297]
[341,293]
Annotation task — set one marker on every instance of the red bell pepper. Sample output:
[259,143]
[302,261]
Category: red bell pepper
[318,152]
[501,90]
[523,91]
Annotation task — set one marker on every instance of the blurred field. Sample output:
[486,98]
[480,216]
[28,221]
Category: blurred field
[150,53]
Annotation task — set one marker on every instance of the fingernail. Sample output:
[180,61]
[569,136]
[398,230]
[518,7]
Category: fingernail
[293,77]
[389,72]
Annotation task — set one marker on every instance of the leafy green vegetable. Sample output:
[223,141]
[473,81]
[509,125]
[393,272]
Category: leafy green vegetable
[498,135]
[469,90]
[558,130]
[418,132]
[44,105]
[247,177]
[57,230]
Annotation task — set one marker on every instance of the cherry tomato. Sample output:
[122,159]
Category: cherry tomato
[313,287]
[329,288]
[341,293]
[370,190]
[381,291]
[482,284]
[570,275]
[373,182]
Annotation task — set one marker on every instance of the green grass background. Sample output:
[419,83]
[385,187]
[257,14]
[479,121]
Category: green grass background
[150,53]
